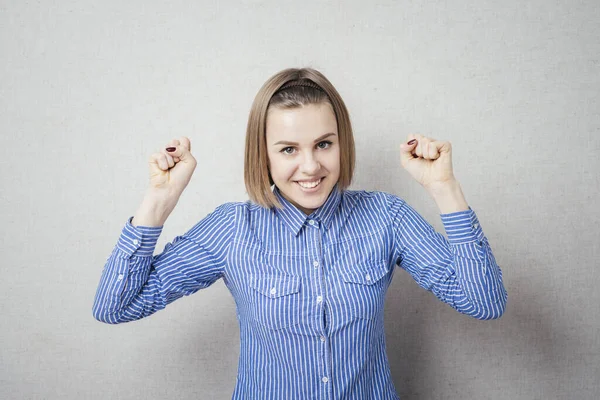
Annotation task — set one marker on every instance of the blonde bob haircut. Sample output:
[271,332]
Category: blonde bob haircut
[291,88]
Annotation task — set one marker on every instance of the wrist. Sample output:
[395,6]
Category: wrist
[443,188]
[154,210]
[448,196]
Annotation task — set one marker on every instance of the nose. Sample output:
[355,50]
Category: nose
[310,165]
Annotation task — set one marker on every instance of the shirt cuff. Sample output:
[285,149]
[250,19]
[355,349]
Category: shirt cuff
[463,227]
[138,240]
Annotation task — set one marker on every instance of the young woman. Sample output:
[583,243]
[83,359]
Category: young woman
[307,261]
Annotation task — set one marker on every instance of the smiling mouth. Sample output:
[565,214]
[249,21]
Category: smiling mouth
[311,184]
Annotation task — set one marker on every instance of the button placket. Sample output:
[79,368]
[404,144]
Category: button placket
[320,284]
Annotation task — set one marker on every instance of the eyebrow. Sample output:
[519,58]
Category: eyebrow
[295,144]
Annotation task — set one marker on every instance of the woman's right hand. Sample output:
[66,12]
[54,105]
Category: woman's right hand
[170,172]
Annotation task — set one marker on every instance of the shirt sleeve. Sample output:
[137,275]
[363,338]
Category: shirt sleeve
[135,283]
[459,270]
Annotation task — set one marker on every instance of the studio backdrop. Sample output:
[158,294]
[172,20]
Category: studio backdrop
[89,90]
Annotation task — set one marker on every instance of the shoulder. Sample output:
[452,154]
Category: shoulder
[242,212]
[372,198]
[369,211]
[375,207]
[224,219]
[238,210]
[234,207]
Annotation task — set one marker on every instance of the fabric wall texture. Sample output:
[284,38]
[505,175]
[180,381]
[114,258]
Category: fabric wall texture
[90,89]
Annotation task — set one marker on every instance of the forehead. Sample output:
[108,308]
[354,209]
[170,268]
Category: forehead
[300,123]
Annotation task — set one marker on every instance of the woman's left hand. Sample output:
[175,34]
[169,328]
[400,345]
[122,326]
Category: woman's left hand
[429,161]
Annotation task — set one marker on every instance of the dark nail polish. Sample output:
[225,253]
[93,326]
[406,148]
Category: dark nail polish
[412,141]
[170,149]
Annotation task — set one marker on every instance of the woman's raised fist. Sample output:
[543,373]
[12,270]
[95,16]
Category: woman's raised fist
[171,171]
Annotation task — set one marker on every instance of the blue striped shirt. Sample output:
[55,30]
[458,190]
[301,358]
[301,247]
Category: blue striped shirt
[309,290]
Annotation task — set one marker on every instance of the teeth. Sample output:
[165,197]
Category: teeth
[309,185]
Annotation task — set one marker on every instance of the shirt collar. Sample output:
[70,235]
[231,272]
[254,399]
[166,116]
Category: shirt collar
[294,218]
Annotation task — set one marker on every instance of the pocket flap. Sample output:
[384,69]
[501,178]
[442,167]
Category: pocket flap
[275,285]
[366,275]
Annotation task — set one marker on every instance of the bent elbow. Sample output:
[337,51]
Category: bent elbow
[103,315]
[495,310]
[102,318]
[492,315]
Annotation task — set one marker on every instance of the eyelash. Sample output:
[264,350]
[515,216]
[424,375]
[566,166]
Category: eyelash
[324,141]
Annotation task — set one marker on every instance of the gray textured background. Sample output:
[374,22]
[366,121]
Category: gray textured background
[88,90]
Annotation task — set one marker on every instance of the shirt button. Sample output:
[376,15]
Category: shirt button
[475,225]
[311,222]
[322,338]
[135,241]
[319,299]
[316,264]
[120,277]
[325,379]
[273,291]
[368,277]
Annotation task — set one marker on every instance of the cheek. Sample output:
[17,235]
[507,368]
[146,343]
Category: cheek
[282,169]
[333,162]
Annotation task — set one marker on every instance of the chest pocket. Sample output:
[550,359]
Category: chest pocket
[366,289]
[276,300]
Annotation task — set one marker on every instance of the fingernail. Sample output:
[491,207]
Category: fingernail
[409,143]
[170,149]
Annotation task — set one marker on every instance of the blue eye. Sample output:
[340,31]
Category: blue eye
[327,143]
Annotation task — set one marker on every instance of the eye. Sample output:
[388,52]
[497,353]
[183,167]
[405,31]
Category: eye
[287,150]
[324,144]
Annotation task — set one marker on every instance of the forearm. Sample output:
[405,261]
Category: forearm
[476,287]
[118,297]
[153,211]
[449,197]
